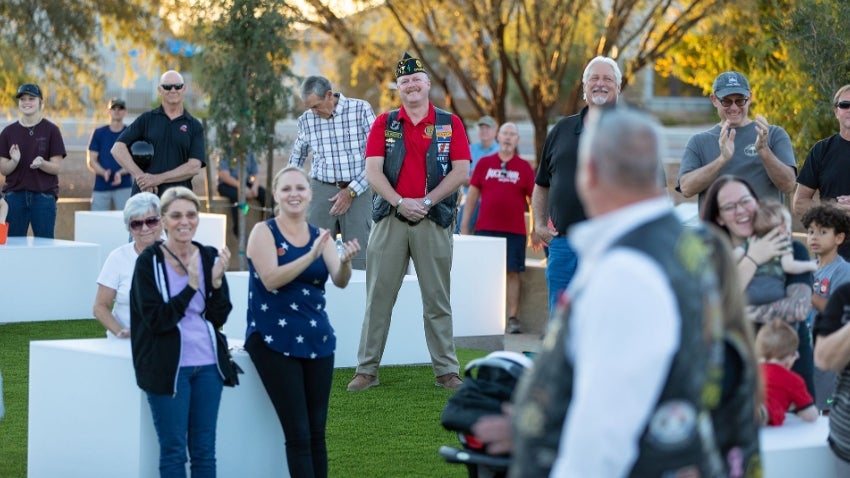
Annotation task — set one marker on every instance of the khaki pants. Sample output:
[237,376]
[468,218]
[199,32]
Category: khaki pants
[392,244]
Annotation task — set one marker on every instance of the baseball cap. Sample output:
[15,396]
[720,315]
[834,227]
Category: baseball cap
[487,121]
[29,89]
[116,102]
[731,83]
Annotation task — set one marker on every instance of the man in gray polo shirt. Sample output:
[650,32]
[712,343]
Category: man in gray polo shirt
[750,149]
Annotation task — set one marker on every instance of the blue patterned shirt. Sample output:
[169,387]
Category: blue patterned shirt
[291,319]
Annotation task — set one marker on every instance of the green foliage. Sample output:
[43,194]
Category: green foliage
[792,51]
[388,431]
[246,58]
[480,53]
[56,44]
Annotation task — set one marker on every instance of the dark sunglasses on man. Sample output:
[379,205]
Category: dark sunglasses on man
[172,86]
[843,105]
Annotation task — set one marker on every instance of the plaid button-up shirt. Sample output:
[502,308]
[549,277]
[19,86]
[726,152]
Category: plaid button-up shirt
[338,143]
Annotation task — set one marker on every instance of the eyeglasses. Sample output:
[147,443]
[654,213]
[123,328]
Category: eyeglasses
[151,222]
[504,170]
[117,107]
[174,86]
[727,102]
[743,203]
[843,104]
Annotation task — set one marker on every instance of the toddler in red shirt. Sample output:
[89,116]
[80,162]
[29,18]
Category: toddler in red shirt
[776,346]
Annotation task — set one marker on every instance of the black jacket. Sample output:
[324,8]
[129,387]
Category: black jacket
[154,316]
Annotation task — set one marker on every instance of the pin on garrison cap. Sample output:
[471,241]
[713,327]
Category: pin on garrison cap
[408,66]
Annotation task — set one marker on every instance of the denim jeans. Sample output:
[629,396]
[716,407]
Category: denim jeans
[560,267]
[27,207]
[188,418]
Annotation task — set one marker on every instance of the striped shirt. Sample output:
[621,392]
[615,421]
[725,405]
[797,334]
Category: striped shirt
[338,144]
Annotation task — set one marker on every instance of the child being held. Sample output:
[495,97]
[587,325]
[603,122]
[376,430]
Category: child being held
[768,283]
[776,347]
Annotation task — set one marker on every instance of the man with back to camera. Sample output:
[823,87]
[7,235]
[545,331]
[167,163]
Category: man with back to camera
[31,151]
[583,411]
[177,138]
[112,183]
[555,195]
[416,159]
[335,129]
[753,150]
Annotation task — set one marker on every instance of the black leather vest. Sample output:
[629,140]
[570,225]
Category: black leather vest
[679,434]
[437,166]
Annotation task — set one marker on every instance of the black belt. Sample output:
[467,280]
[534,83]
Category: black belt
[339,184]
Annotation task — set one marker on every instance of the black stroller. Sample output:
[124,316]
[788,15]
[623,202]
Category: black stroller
[489,382]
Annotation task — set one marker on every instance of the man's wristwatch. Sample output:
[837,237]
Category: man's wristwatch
[427,202]
[352,193]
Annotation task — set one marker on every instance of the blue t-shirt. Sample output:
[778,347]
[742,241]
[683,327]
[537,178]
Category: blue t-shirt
[101,143]
[291,319]
[230,164]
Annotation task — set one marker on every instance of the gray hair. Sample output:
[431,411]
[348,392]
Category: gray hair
[139,205]
[608,61]
[625,146]
[317,85]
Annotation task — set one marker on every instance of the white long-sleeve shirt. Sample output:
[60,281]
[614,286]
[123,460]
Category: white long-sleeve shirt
[624,331]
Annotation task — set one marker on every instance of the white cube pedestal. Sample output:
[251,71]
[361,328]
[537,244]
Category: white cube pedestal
[47,279]
[87,417]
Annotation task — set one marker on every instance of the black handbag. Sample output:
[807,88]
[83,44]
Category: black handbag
[229,368]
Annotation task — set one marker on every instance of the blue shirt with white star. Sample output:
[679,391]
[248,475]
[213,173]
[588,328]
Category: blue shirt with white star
[292,319]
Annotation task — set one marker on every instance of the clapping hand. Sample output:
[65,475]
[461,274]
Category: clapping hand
[220,267]
[350,249]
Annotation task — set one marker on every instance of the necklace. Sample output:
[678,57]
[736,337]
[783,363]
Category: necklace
[31,128]
[182,265]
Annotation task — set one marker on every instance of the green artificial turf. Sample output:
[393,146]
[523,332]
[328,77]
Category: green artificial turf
[392,430]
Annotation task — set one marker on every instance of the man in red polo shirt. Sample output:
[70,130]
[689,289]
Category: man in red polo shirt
[416,159]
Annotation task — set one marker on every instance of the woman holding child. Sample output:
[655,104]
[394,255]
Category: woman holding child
[731,204]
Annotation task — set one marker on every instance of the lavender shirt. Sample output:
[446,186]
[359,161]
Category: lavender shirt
[196,347]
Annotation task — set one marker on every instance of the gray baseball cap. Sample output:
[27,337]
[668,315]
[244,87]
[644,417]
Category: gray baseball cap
[731,83]
[487,121]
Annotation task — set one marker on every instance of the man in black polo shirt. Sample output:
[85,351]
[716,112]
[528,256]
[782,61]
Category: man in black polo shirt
[555,200]
[177,138]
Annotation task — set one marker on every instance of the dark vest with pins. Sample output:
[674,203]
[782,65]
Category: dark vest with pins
[678,435]
[437,166]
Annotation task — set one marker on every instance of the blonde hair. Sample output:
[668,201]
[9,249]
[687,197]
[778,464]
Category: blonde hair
[776,340]
[280,173]
[770,213]
[178,192]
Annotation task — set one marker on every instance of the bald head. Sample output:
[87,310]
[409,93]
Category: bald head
[170,77]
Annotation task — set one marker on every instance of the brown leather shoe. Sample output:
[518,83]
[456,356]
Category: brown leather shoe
[362,381]
[449,381]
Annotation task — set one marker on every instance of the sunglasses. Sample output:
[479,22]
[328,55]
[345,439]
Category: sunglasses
[151,222]
[727,102]
[843,104]
[174,86]
[117,107]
